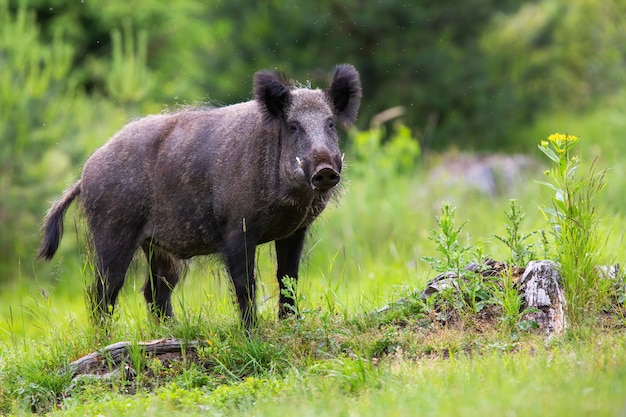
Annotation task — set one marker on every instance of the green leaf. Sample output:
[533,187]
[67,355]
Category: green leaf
[549,185]
[552,212]
[559,196]
[572,172]
[480,305]
[527,325]
[560,204]
[549,153]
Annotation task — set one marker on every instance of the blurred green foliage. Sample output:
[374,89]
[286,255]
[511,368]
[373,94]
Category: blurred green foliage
[387,156]
[467,74]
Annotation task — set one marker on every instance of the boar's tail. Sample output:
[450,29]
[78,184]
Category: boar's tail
[53,224]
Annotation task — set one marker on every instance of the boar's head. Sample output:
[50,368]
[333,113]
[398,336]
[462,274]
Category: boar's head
[307,119]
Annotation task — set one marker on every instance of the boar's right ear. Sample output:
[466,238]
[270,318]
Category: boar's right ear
[344,92]
[271,91]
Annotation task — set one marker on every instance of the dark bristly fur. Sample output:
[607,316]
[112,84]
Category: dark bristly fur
[220,181]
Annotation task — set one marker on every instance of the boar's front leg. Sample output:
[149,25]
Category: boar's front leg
[240,262]
[288,253]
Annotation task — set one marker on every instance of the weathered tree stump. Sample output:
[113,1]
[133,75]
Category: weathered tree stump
[544,295]
[446,280]
[539,283]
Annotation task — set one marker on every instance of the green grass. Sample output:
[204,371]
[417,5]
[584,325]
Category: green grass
[431,372]
[340,358]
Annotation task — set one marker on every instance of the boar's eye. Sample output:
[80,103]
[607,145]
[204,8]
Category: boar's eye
[293,127]
[331,124]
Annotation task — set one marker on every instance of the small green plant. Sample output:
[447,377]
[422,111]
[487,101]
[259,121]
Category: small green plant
[521,251]
[386,345]
[511,301]
[473,292]
[574,220]
[137,357]
[291,292]
[447,241]
[477,293]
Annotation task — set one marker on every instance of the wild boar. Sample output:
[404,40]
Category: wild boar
[212,181]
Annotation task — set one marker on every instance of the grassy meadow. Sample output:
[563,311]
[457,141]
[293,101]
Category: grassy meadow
[340,358]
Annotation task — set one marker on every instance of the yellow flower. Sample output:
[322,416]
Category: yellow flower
[544,143]
[559,137]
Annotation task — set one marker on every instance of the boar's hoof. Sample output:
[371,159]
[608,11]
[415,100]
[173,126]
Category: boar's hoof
[325,179]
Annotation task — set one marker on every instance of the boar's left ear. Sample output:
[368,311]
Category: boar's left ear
[271,91]
[344,92]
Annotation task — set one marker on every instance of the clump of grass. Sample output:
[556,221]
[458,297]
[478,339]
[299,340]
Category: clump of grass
[32,376]
[573,215]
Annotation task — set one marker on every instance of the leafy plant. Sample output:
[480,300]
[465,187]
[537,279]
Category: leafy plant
[574,220]
[477,292]
[511,300]
[521,251]
[471,291]
[446,239]
[291,291]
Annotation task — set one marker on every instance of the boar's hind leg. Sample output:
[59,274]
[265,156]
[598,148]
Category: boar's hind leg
[241,268]
[113,259]
[163,274]
[288,252]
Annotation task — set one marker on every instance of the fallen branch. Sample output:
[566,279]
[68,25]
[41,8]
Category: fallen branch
[113,355]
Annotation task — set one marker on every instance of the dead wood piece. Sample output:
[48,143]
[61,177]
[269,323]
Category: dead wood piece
[488,268]
[611,272]
[543,293]
[116,353]
[441,283]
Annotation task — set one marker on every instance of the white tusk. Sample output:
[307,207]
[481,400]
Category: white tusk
[299,161]
[342,155]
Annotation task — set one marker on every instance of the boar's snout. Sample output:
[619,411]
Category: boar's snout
[325,178]
[325,167]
